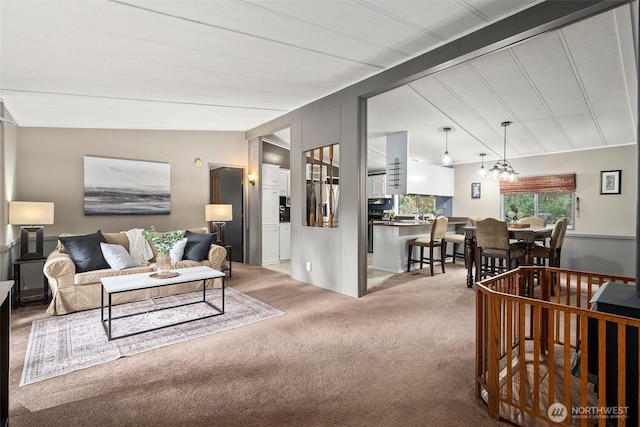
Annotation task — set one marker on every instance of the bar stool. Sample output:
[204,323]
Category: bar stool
[435,240]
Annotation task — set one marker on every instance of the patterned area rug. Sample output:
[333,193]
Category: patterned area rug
[62,344]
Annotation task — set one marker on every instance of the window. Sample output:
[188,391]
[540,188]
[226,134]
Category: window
[550,197]
[409,204]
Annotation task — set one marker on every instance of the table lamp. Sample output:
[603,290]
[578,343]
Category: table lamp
[31,216]
[218,215]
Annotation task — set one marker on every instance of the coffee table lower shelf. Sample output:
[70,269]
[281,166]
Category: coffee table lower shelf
[119,284]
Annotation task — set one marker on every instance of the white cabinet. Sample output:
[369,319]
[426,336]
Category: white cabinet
[430,179]
[285,241]
[270,244]
[317,172]
[270,175]
[377,186]
[270,206]
[284,182]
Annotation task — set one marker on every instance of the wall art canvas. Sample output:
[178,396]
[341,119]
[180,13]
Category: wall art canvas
[126,187]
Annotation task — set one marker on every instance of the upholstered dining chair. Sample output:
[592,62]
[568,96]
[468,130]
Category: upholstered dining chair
[434,240]
[533,221]
[458,239]
[492,244]
[550,255]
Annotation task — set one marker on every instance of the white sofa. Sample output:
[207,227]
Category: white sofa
[74,291]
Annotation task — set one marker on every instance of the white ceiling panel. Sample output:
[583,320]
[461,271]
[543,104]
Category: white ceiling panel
[235,64]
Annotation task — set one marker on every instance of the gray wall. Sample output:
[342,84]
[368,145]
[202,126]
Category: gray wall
[49,167]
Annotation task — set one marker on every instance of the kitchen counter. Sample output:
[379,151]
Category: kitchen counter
[390,241]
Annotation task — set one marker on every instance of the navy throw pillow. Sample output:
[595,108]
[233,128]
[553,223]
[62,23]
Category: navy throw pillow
[198,245]
[85,251]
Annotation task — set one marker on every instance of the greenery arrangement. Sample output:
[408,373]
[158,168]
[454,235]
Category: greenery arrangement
[164,242]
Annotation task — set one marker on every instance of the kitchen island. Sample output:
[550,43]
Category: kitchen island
[390,241]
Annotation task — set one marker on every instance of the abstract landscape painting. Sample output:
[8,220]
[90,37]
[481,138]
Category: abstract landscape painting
[126,187]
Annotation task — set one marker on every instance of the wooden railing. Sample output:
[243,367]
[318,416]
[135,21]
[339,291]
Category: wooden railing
[528,347]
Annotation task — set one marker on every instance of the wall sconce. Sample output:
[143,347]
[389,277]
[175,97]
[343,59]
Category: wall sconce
[252,179]
[198,162]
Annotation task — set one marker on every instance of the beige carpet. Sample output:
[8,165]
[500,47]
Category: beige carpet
[401,356]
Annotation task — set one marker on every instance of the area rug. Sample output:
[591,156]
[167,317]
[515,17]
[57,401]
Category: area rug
[62,344]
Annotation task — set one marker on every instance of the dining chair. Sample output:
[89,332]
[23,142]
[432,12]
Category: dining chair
[535,222]
[492,244]
[458,239]
[550,255]
[436,239]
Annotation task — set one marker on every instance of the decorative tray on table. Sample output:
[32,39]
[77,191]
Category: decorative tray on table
[164,276]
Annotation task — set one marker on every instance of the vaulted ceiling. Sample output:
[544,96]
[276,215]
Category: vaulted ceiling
[235,64]
[570,89]
[208,65]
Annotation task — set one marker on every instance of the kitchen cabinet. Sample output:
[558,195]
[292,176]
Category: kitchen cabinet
[377,186]
[285,241]
[270,206]
[317,171]
[430,179]
[284,182]
[270,244]
[270,175]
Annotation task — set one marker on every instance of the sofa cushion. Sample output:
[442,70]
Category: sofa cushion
[117,239]
[93,277]
[177,251]
[117,256]
[85,251]
[198,245]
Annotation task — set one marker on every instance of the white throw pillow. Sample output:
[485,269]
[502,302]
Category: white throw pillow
[177,251]
[117,256]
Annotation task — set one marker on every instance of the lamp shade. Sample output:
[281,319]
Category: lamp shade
[30,213]
[218,212]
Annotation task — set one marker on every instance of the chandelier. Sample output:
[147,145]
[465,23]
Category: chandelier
[502,169]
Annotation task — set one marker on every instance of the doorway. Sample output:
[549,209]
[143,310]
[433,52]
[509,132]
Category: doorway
[226,185]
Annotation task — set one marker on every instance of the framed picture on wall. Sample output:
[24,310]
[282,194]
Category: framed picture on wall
[126,187]
[610,182]
[475,190]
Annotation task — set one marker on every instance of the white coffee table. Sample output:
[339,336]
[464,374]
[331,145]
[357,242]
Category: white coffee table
[134,282]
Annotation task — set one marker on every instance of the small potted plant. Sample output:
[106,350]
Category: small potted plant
[163,244]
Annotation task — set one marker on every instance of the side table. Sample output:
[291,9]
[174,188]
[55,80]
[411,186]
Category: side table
[17,264]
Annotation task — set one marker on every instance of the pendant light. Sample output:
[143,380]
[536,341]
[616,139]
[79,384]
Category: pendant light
[502,169]
[482,171]
[446,159]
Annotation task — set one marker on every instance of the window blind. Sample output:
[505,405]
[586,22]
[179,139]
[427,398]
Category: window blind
[540,184]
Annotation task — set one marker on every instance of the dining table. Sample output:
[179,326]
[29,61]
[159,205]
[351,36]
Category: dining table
[527,236]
